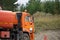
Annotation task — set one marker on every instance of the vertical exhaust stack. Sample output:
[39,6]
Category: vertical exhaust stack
[19,27]
[19,15]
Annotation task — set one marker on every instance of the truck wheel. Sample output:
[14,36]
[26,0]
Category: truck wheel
[26,36]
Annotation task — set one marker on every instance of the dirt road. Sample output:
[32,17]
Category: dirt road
[48,35]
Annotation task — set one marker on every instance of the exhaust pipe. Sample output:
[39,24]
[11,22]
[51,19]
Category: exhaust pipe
[19,35]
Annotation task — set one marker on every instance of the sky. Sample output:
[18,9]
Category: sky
[24,1]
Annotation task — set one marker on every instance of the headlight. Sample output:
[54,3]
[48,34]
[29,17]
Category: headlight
[31,30]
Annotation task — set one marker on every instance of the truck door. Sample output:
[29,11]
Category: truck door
[29,25]
[28,22]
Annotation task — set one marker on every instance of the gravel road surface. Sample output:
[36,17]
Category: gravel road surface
[48,35]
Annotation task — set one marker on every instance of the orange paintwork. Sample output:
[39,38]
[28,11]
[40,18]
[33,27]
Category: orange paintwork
[28,25]
[8,18]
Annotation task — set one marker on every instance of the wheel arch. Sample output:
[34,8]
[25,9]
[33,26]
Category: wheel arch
[27,33]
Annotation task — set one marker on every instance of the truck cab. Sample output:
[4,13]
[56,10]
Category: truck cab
[16,26]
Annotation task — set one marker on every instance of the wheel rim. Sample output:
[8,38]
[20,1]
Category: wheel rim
[25,38]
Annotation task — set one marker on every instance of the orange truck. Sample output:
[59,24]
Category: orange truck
[16,26]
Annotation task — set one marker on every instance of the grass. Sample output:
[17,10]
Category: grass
[46,21]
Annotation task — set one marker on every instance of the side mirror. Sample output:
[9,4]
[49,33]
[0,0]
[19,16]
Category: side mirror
[33,19]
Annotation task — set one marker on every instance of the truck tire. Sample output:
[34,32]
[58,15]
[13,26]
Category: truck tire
[26,36]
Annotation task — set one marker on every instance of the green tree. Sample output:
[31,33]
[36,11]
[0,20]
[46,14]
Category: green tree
[49,7]
[56,7]
[8,4]
[33,6]
[22,8]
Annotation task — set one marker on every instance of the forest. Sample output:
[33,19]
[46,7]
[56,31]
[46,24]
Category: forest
[47,6]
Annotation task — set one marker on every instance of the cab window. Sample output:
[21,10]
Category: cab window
[27,19]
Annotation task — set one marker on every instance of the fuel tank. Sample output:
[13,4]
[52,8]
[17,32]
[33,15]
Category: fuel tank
[7,19]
